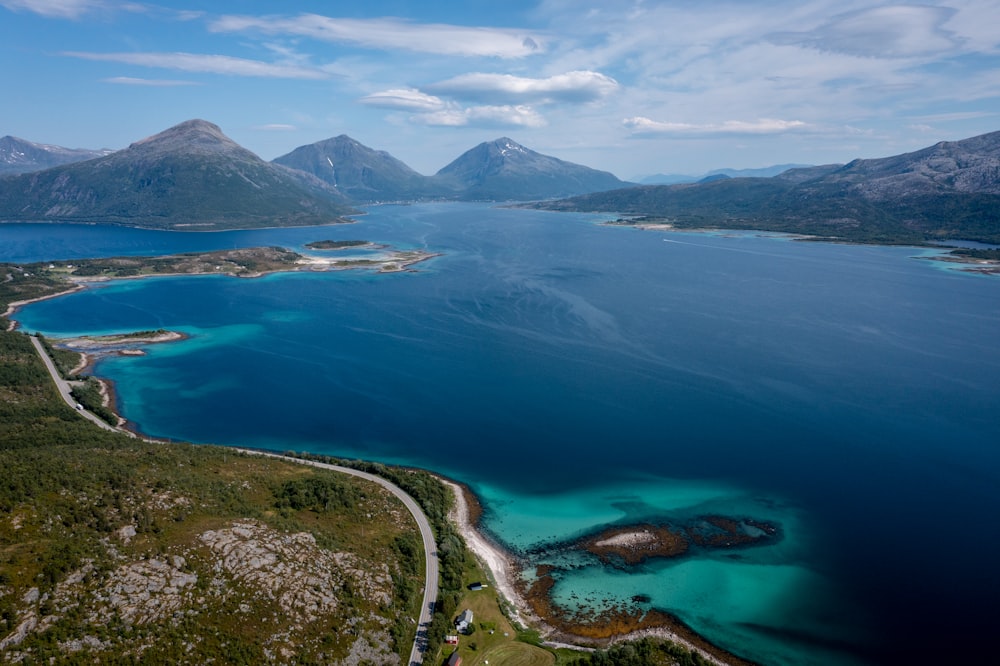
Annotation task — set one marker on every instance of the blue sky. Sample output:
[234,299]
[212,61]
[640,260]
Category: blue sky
[631,87]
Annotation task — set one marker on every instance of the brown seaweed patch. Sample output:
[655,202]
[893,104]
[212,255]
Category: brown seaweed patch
[725,532]
[635,544]
[612,623]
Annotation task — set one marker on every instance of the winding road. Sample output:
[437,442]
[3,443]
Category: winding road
[426,533]
[65,387]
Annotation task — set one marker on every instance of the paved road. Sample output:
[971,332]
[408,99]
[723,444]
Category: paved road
[426,533]
[65,387]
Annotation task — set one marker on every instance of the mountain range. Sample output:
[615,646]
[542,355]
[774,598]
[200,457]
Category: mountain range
[676,178]
[950,190]
[500,170]
[192,176]
[20,156]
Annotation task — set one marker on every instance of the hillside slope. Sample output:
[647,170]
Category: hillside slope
[190,176]
[946,191]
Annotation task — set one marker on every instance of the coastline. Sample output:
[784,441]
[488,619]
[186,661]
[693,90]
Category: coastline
[504,569]
[525,606]
[395,261]
[528,606]
[966,264]
[14,306]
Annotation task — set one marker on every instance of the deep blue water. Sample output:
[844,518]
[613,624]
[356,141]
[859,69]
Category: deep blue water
[578,375]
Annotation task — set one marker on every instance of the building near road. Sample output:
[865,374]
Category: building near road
[464,621]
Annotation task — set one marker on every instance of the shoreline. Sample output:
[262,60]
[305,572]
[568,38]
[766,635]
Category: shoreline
[528,606]
[970,264]
[14,306]
[504,569]
[397,261]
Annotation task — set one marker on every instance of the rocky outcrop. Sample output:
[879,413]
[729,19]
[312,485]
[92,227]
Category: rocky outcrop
[295,590]
[292,570]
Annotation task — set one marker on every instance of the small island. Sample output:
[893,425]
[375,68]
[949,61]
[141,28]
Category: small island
[630,545]
[344,245]
[634,545]
[120,344]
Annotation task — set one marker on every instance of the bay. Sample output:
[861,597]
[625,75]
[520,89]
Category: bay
[579,376]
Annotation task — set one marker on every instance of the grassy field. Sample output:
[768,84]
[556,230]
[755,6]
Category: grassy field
[492,640]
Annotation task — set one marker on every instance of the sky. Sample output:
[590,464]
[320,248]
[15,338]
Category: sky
[632,87]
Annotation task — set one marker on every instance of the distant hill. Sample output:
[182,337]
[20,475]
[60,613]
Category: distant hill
[361,173]
[20,156]
[949,190]
[505,170]
[762,172]
[191,176]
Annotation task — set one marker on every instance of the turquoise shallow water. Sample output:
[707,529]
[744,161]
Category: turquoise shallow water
[580,376]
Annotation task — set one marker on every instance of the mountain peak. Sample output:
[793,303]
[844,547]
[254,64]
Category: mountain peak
[504,169]
[193,136]
[507,147]
[358,171]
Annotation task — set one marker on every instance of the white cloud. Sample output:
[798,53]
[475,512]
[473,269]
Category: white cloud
[431,110]
[483,116]
[132,81]
[953,117]
[205,63]
[893,32]
[577,86]
[404,98]
[646,126]
[69,9]
[275,127]
[392,33]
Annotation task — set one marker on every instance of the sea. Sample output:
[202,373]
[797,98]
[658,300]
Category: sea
[579,376]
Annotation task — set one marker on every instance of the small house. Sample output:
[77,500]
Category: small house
[454,659]
[475,587]
[451,639]
[464,621]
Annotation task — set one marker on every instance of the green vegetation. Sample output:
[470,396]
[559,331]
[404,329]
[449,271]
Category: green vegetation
[436,500]
[84,512]
[88,394]
[143,334]
[243,261]
[971,253]
[336,244]
[65,360]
